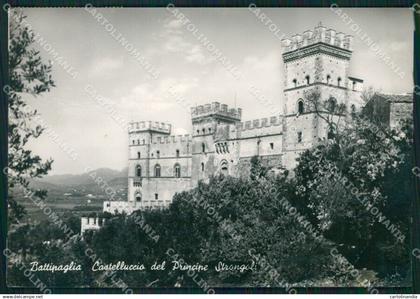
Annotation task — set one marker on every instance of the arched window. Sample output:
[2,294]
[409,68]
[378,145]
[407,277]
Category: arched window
[294,82]
[158,154]
[138,141]
[332,105]
[138,155]
[138,197]
[203,148]
[224,167]
[134,142]
[204,131]
[198,131]
[354,85]
[338,81]
[157,170]
[177,170]
[301,107]
[209,130]
[328,79]
[202,166]
[177,153]
[308,80]
[138,170]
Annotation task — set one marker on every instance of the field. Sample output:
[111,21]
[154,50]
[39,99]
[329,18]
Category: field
[75,194]
[76,205]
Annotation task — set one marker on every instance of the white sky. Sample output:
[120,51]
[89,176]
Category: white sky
[184,63]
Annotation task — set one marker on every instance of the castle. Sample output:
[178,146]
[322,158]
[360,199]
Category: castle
[161,164]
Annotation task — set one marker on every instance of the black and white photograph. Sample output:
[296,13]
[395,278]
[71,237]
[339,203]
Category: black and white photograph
[207,148]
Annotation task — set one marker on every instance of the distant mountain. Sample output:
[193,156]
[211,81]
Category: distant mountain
[72,188]
[87,178]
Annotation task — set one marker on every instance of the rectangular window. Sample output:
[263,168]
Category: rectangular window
[299,135]
[156,196]
[272,145]
[157,171]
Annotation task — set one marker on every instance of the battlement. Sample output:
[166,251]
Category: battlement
[142,126]
[259,123]
[91,223]
[320,34]
[173,139]
[215,108]
[120,206]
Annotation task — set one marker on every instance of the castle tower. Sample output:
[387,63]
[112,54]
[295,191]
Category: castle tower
[315,62]
[141,136]
[206,121]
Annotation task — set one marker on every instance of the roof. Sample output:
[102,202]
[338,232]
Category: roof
[356,79]
[398,98]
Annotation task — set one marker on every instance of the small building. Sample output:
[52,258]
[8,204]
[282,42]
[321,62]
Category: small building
[389,109]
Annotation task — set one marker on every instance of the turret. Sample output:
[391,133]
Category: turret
[320,34]
[215,109]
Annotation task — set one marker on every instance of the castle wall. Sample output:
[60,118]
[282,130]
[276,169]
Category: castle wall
[335,68]
[165,151]
[91,223]
[121,206]
[307,126]
[203,163]
[226,155]
[212,124]
[299,69]
[158,192]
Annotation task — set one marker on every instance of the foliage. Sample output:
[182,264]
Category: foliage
[340,182]
[29,76]
[216,222]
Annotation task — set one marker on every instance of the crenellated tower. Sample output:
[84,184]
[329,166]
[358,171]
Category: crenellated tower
[317,61]
[141,136]
[206,121]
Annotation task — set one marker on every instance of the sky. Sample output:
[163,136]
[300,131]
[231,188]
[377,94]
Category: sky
[188,73]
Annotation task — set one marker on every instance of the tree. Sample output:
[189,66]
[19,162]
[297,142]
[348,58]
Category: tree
[29,76]
[258,170]
[340,182]
[329,111]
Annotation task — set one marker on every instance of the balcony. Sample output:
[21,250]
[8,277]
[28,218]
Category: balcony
[137,182]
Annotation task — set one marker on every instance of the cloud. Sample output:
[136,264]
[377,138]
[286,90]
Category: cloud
[173,24]
[161,96]
[399,46]
[176,42]
[196,55]
[105,64]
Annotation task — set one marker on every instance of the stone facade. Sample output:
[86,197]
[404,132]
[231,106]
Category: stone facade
[161,164]
[91,223]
